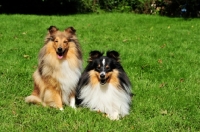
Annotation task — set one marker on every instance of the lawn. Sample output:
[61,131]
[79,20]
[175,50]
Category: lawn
[160,55]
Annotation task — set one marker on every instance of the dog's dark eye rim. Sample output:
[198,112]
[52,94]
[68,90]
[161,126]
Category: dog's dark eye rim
[107,68]
[98,68]
[65,42]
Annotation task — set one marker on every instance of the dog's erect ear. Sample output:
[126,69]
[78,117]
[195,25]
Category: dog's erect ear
[113,54]
[70,30]
[52,29]
[94,55]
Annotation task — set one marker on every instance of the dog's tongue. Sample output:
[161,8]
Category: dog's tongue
[60,56]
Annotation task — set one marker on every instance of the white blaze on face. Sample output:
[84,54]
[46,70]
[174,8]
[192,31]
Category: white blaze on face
[103,62]
[103,71]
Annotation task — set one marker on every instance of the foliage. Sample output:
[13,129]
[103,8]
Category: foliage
[162,7]
[185,8]
[175,8]
[106,5]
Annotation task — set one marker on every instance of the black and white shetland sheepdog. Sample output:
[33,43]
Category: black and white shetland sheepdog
[104,85]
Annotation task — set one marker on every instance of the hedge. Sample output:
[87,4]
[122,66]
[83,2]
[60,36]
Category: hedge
[172,8]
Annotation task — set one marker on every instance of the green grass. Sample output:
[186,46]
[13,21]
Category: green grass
[160,55]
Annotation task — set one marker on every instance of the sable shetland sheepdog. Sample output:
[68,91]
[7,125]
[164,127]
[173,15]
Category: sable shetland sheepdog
[59,69]
[104,85]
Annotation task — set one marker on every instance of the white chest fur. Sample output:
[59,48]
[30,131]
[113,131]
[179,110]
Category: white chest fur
[106,98]
[68,79]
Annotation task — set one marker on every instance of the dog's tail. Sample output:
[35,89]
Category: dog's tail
[33,99]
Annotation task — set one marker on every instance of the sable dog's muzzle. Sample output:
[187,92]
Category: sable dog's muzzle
[60,52]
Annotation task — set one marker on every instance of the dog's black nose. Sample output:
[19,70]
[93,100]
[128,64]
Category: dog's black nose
[102,75]
[59,49]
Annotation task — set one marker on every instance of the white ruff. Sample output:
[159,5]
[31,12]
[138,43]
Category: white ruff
[106,98]
[68,80]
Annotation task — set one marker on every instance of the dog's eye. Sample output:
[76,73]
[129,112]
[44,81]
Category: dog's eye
[56,41]
[107,68]
[98,68]
[65,42]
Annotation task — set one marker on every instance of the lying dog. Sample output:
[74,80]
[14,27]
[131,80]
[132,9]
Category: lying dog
[104,85]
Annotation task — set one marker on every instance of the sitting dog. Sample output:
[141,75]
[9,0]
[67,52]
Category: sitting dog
[59,69]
